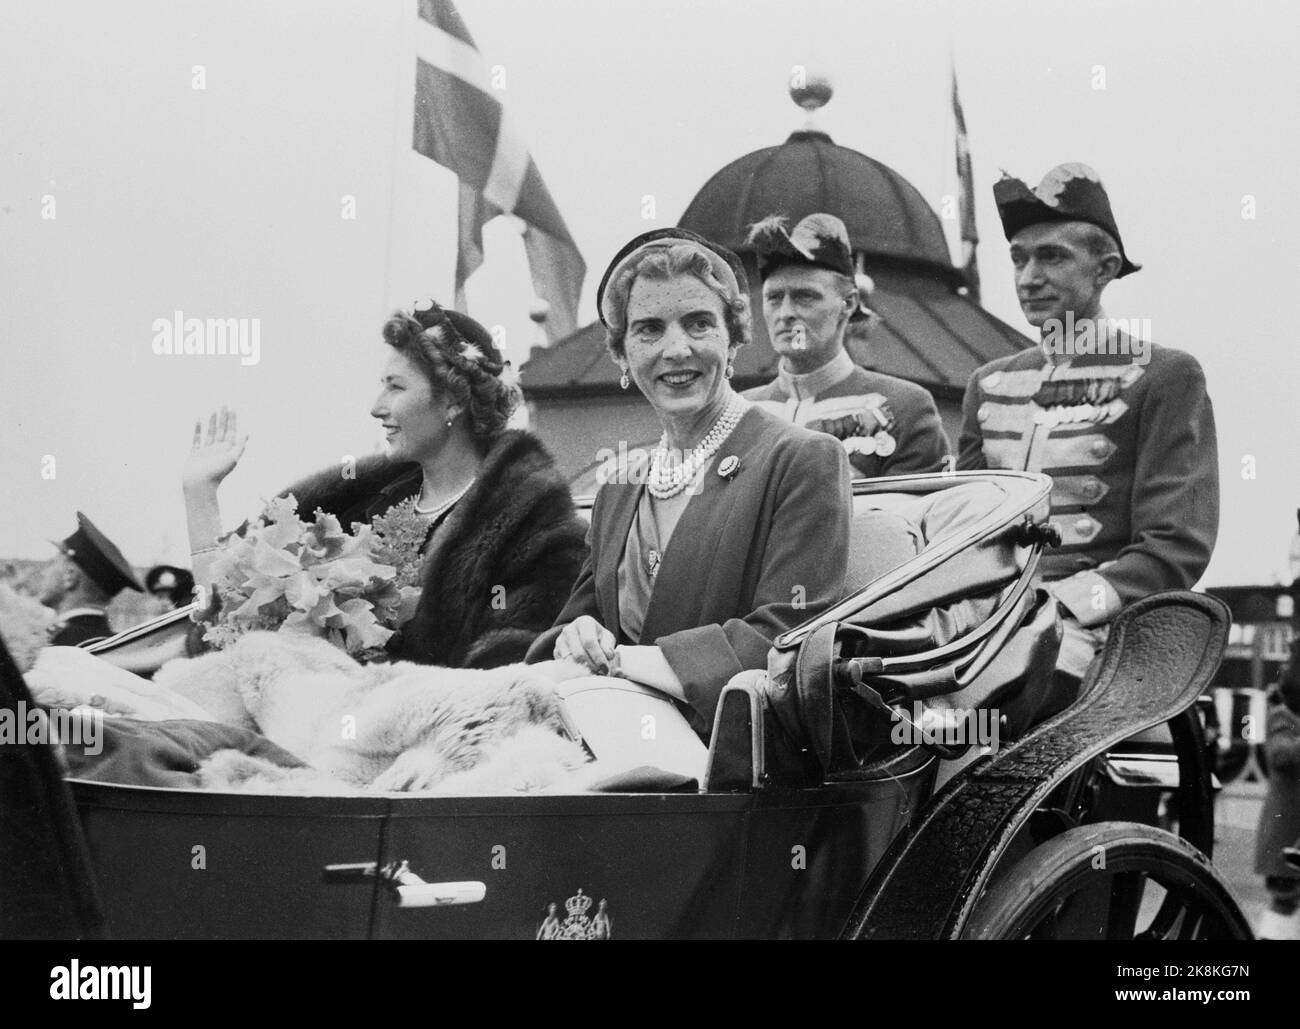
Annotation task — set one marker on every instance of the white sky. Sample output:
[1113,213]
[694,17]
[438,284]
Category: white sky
[225,202]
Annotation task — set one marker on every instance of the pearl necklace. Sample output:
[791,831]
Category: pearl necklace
[664,485]
[434,512]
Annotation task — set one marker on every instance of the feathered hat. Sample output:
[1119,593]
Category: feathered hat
[818,241]
[1068,193]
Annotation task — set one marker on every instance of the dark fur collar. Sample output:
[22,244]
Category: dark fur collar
[378,482]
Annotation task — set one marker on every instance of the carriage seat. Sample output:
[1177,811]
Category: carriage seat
[939,589]
[890,529]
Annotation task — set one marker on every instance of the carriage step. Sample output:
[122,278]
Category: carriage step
[1160,656]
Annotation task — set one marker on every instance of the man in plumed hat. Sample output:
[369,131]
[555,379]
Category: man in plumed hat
[79,582]
[1124,427]
[811,296]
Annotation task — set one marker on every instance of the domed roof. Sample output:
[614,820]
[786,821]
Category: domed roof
[886,215]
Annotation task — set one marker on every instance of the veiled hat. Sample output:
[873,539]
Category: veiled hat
[726,265]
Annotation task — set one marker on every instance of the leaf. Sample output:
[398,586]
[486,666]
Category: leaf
[326,611]
[355,572]
[266,560]
[327,527]
[280,525]
[303,591]
[410,600]
[360,627]
[260,597]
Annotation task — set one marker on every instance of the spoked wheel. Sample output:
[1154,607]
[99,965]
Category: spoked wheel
[1111,881]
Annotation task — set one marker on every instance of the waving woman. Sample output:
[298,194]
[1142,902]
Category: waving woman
[739,527]
[503,542]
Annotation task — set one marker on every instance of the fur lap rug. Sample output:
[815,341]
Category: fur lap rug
[379,727]
[360,728]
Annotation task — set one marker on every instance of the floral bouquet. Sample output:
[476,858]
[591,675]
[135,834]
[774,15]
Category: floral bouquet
[284,574]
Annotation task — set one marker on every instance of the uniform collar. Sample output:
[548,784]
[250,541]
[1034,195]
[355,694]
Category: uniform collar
[817,381]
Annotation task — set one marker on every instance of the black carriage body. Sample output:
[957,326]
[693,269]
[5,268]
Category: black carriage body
[776,863]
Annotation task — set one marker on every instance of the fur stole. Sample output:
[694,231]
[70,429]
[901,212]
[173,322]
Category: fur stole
[500,567]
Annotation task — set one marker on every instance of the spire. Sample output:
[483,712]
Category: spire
[811,92]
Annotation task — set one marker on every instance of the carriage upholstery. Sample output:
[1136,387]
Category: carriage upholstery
[944,613]
[891,529]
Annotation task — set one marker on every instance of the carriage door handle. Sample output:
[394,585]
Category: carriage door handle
[406,888]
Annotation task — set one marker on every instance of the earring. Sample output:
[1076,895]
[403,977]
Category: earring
[730,370]
[623,381]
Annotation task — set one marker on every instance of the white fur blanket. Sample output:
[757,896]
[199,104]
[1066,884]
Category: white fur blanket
[395,727]
[381,727]
[69,677]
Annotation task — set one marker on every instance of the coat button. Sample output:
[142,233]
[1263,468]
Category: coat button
[1091,488]
[1083,526]
[983,413]
[1099,447]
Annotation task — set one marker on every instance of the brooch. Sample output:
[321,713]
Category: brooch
[729,466]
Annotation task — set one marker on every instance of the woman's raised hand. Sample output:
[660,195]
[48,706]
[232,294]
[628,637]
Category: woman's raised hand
[586,642]
[213,456]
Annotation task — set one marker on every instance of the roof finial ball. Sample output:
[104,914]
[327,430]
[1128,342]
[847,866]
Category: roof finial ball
[810,91]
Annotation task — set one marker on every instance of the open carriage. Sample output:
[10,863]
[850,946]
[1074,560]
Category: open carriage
[828,805]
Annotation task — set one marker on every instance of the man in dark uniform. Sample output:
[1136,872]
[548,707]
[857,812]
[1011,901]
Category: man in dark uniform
[1124,427]
[87,573]
[888,426]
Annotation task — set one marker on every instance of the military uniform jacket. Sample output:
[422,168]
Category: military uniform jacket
[1133,457]
[887,426]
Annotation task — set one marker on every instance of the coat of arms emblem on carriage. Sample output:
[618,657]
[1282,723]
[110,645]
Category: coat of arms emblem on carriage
[577,925]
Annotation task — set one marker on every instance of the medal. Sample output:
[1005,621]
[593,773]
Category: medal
[885,444]
[653,558]
[728,466]
[860,445]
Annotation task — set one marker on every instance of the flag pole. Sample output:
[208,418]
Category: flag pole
[396,152]
[966,202]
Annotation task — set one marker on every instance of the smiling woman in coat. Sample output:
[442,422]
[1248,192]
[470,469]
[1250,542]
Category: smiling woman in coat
[738,527]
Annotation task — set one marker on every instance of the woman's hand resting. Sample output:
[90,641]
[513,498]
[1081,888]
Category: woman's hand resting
[586,642]
[214,456]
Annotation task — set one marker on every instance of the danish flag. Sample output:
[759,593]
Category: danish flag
[461,123]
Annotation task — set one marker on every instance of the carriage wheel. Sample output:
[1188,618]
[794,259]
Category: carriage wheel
[1114,880]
